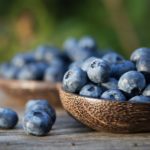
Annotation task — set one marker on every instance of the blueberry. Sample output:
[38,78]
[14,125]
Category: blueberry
[48,109]
[58,63]
[31,72]
[82,54]
[81,50]
[98,71]
[46,53]
[146,91]
[37,123]
[113,95]
[91,90]
[143,65]
[22,59]
[40,52]
[54,74]
[3,68]
[132,83]
[113,58]
[120,68]
[52,54]
[8,118]
[31,103]
[111,84]
[10,72]
[140,99]
[139,53]
[42,105]
[85,64]
[69,45]
[74,79]
[88,43]
[75,64]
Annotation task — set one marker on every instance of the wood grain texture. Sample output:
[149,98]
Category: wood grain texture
[105,115]
[68,134]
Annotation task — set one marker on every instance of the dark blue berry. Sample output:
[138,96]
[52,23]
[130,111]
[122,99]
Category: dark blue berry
[22,59]
[111,84]
[75,64]
[113,95]
[42,105]
[54,74]
[98,71]
[139,53]
[87,43]
[8,118]
[46,53]
[31,103]
[69,44]
[132,83]
[143,65]
[3,68]
[82,54]
[85,64]
[140,99]
[91,90]
[146,91]
[120,68]
[32,72]
[10,72]
[113,58]
[74,79]
[37,123]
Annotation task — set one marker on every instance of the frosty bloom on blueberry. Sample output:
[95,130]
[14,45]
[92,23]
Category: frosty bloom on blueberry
[140,99]
[39,117]
[8,118]
[74,79]
[98,71]
[113,58]
[146,91]
[91,90]
[139,53]
[37,123]
[132,82]
[113,95]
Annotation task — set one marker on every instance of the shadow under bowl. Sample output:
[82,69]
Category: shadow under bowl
[106,115]
[16,93]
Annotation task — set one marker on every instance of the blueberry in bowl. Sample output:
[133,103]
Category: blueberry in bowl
[103,102]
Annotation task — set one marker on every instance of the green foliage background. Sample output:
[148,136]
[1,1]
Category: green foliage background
[55,20]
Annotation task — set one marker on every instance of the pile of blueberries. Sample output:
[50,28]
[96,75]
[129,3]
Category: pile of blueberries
[45,63]
[48,62]
[38,119]
[111,77]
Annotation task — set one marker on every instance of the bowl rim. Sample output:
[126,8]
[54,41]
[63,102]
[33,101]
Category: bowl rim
[27,84]
[93,100]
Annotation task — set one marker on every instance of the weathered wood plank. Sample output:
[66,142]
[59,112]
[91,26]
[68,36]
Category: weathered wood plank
[69,134]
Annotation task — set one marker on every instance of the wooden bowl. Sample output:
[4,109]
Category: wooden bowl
[105,115]
[17,92]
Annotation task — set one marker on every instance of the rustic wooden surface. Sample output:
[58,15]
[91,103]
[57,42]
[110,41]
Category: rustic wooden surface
[68,134]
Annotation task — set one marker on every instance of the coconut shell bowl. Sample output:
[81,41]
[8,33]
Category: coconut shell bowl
[106,115]
[17,92]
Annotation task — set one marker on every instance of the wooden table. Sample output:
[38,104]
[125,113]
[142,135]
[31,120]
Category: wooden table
[68,134]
